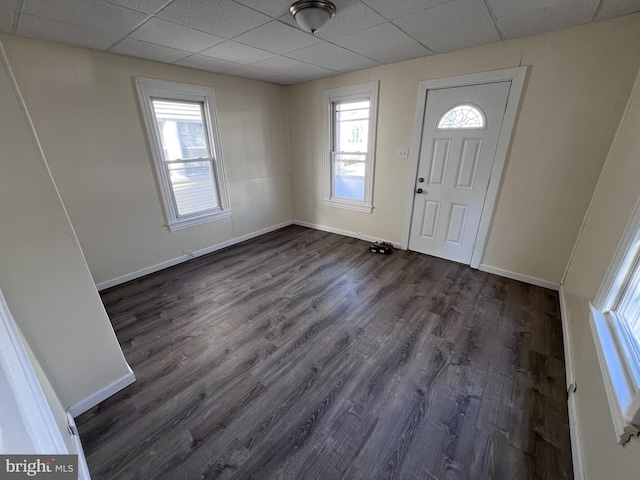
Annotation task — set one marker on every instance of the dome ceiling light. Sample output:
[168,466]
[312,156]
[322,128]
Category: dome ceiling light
[312,15]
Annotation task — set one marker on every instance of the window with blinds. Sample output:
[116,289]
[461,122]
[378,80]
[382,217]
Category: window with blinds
[183,134]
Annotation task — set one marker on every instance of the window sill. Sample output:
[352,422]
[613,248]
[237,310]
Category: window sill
[194,220]
[349,205]
[623,392]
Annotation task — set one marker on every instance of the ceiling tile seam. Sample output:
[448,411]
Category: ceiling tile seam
[409,15]
[432,51]
[156,15]
[131,32]
[376,11]
[212,58]
[199,52]
[255,10]
[393,22]
[598,9]
[89,28]
[235,38]
[339,46]
[494,19]
[289,58]
[188,54]
[16,16]
[166,4]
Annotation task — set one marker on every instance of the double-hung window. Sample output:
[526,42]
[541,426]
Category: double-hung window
[350,121]
[615,323]
[183,135]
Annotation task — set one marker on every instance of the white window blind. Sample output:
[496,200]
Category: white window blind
[186,155]
[183,135]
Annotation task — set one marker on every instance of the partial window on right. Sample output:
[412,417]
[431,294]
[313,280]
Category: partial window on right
[615,323]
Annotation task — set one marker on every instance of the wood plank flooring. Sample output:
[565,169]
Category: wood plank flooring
[301,355]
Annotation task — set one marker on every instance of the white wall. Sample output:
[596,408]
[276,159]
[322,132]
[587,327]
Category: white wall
[611,206]
[43,274]
[85,110]
[577,85]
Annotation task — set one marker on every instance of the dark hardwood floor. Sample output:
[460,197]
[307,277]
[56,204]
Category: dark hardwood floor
[301,355]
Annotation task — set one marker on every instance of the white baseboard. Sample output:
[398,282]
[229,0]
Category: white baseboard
[83,468]
[574,426]
[346,233]
[102,394]
[520,277]
[185,258]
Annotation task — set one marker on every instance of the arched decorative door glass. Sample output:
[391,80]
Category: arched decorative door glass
[462,117]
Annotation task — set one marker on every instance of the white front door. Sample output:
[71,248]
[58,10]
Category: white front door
[460,133]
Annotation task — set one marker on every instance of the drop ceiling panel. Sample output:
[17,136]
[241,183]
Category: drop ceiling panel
[289,66]
[220,17]
[237,52]
[284,79]
[254,73]
[277,37]
[333,57]
[146,6]
[209,64]
[384,43]
[517,18]
[173,35]
[136,48]
[433,27]
[93,14]
[45,29]
[396,9]
[6,20]
[273,8]
[11,4]
[614,8]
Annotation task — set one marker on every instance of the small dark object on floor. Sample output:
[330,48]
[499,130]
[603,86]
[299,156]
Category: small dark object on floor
[381,247]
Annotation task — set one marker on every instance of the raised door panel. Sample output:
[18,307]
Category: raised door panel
[430,217]
[468,164]
[439,161]
[457,223]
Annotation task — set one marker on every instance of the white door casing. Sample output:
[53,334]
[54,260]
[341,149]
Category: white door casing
[460,168]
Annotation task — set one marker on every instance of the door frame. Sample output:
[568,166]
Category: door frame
[514,75]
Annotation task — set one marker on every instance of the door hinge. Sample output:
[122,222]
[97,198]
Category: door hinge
[73,431]
[573,386]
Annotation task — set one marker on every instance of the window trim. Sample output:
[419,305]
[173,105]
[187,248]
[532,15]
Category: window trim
[329,98]
[617,352]
[149,89]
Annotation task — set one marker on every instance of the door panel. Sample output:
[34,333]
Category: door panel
[431,211]
[456,164]
[468,163]
[457,221]
[439,163]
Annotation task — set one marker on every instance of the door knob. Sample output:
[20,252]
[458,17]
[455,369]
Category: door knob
[419,190]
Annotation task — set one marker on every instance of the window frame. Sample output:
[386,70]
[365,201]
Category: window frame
[330,98]
[618,351]
[149,89]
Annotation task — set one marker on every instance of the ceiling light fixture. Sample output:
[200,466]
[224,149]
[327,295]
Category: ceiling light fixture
[311,15]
